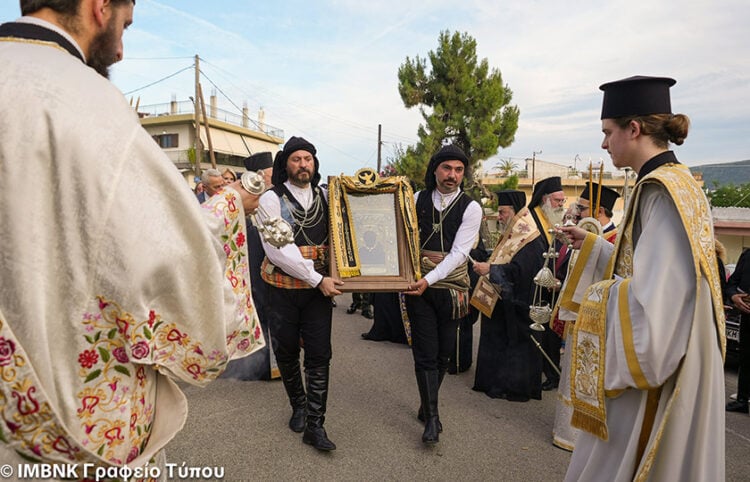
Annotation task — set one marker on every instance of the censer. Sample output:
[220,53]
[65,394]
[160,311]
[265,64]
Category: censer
[275,230]
[540,310]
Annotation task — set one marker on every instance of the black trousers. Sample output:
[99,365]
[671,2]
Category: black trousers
[433,332]
[743,377]
[300,314]
[461,354]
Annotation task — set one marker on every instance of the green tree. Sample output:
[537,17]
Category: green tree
[510,183]
[508,166]
[461,100]
[731,196]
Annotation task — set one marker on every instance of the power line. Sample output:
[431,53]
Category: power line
[353,125]
[160,80]
[364,132]
[158,58]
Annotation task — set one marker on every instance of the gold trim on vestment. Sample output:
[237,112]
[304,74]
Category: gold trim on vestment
[519,233]
[588,362]
[545,224]
[698,223]
[46,43]
[695,216]
[559,443]
[649,416]
[647,462]
[566,298]
[626,327]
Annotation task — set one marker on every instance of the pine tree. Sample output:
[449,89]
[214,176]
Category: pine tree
[462,101]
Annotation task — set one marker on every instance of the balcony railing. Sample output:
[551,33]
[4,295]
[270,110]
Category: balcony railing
[186,107]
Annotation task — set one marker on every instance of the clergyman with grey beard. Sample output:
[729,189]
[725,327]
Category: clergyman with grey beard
[547,206]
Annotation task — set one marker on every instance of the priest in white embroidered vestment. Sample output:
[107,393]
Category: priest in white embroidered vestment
[647,377]
[113,280]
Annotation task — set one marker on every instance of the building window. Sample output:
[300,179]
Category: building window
[166,141]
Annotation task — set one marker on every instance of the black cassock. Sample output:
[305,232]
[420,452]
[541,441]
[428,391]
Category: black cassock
[387,324]
[509,365]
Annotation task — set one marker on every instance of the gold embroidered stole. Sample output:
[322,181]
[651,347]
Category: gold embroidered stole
[545,224]
[695,214]
[521,232]
[587,362]
[589,336]
[572,280]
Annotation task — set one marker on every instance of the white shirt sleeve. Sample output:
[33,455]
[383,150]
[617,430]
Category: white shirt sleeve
[462,244]
[288,258]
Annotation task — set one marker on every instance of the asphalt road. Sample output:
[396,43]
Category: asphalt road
[242,426]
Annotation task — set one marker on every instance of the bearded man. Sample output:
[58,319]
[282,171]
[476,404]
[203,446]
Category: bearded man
[509,365]
[448,228]
[115,281]
[547,207]
[300,290]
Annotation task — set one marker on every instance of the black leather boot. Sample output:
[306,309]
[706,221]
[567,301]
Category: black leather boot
[292,379]
[317,395]
[420,413]
[427,381]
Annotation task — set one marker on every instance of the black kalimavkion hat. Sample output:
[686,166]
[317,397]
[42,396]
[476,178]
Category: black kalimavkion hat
[638,95]
[511,197]
[258,161]
[609,196]
[544,187]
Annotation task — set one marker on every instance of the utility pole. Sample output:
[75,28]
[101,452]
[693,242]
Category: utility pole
[380,143]
[533,167]
[208,128]
[197,141]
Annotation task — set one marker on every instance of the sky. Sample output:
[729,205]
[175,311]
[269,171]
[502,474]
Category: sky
[327,70]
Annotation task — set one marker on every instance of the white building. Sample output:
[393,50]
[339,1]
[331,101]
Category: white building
[233,136]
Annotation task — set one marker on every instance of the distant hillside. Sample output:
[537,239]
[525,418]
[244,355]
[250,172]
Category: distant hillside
[717,175]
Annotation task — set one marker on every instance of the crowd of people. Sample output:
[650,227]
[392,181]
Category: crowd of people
[641,382]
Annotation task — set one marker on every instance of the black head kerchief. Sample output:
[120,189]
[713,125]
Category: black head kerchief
[638,95]
[279,175]
[511,197]
[446,153]
[258,161]
[543,187]
[609,196]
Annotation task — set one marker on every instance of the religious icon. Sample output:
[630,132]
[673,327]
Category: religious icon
[374,239]
[375,225]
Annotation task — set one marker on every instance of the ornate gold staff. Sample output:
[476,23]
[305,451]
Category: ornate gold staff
[590,223]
